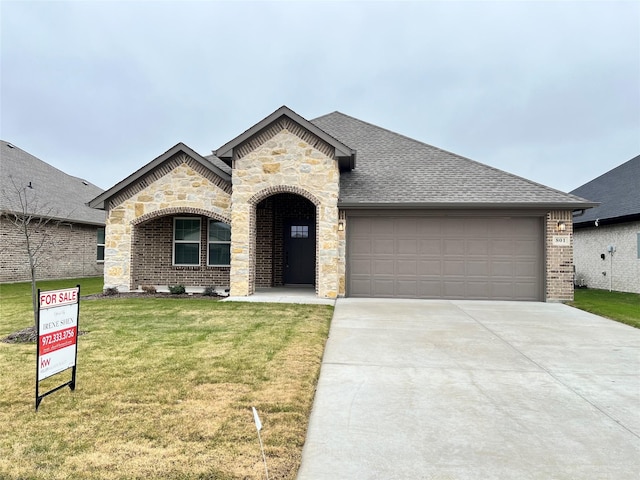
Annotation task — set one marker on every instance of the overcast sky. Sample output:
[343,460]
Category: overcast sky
[547,90]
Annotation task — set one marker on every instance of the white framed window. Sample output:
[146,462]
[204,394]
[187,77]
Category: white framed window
[100,242]
[186,241]
[219,244]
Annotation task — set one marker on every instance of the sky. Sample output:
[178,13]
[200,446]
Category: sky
[549,91]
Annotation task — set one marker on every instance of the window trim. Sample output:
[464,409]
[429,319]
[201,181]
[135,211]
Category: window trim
[217,242]
[174,242]
[98,244]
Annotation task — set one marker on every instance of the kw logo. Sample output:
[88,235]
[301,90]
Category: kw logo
[44,362]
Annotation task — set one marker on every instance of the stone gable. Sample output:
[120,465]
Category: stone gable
[284,163]
[183,189]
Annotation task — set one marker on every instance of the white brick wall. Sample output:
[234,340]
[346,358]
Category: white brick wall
[620,272]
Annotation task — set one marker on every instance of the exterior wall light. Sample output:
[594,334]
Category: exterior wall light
[341,226]
[562,226]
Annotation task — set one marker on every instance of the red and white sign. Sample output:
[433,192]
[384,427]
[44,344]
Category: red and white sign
[58,331]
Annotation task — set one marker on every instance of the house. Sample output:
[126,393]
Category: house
[340,205]
[67,234]
[607,237]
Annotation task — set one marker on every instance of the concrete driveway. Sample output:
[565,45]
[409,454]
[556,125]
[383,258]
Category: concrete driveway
[420,389]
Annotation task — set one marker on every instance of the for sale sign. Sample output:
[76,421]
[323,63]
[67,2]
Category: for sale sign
[57,335]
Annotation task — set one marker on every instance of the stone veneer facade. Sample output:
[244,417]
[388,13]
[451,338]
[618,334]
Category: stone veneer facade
[179,187]
[284,159]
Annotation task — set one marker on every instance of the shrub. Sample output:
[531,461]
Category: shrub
[148,289]
[110,291]
[177,289]
[210,292]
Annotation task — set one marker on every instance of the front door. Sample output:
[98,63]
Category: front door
[300,252]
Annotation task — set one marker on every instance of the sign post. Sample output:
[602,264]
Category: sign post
[57,336]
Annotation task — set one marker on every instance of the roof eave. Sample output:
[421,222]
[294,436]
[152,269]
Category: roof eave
[606,220]
[344,154]
[99,201]
[463,205]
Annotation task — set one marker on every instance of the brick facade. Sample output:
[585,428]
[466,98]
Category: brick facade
[620,271]
[69,251]
[559,258]
[152,258]
[179,187]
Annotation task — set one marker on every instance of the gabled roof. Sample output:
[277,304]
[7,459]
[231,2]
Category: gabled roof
[618,192]
[50,192]
[397,171]
[343,153]
[210,163]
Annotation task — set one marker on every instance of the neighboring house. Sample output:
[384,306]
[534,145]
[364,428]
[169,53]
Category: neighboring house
[71,236]
[342,205]
[607,238]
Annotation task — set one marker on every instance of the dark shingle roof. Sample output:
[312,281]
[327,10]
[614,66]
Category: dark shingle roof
[396,170]
[618,192]
[53,194]
[211,163]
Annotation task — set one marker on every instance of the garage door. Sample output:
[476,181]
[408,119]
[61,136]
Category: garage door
[453,257]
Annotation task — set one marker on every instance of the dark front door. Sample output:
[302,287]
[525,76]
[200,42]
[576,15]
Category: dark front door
[300,252]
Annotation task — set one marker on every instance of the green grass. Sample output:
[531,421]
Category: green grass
[164,389]
[619,306]
[15,300]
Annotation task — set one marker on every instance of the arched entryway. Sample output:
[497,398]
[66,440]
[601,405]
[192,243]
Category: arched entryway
[286,239]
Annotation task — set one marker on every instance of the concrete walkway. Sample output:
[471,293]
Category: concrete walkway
[300,295]
[419,389]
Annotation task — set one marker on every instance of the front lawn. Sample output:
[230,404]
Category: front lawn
[619,306]
[164,389]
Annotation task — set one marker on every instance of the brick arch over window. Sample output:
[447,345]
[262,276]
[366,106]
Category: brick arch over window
[180,211]
[152,251]
[267,192]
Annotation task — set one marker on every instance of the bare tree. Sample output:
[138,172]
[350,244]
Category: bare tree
[33,221]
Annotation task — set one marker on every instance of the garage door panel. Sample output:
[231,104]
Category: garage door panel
[361,267]
[362,245]
[478,290]
[453,267]
[382,226]
[405,226]
[526,247]
[526,269]
[478,247]
[383,246]
[383,266]
[383,287]
[406,288]
[454,246]
[361,286]
[502,247]
[478,268]
[429,267]
[502,268]
[407,267]
[407,246]
[456,257]
[429,288]
[502,290]
[454,289]
[430,246]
